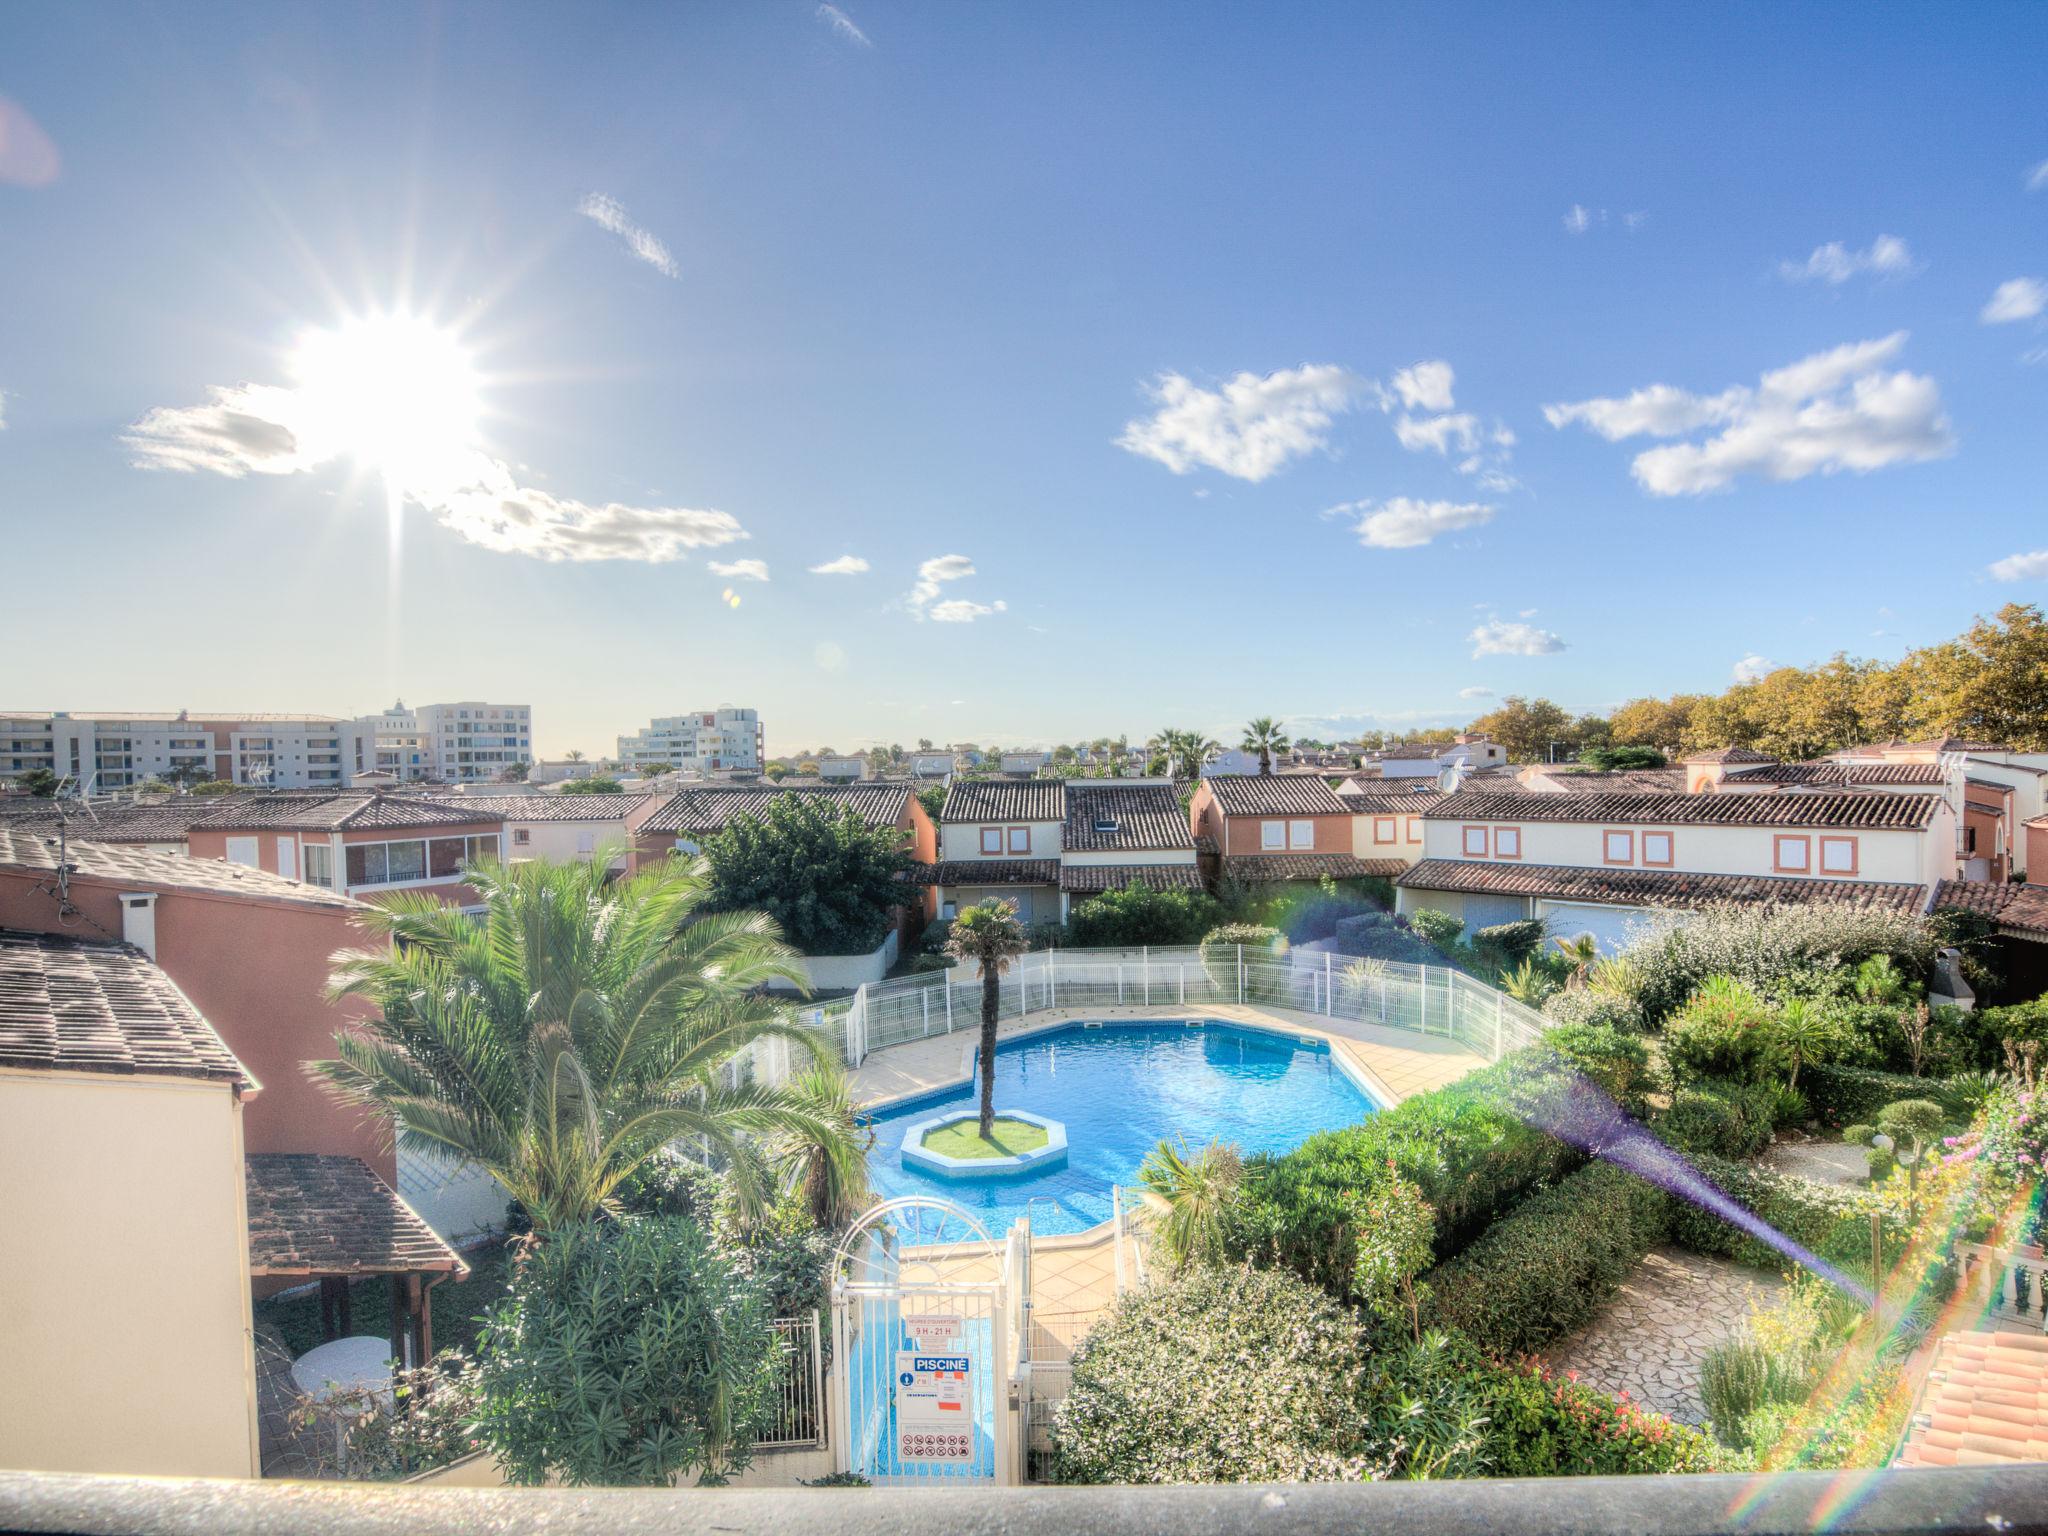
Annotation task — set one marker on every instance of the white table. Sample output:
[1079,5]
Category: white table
[361,1362]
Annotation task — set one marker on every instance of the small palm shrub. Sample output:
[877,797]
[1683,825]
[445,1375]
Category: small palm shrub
[1188,1197]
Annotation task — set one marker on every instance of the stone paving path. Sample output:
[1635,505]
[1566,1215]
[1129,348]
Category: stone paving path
[1650,1339]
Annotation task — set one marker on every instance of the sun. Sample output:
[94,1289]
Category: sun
[395,391]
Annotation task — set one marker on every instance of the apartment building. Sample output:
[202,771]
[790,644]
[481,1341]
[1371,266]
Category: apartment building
[461,743]
[702,742]
[104,752]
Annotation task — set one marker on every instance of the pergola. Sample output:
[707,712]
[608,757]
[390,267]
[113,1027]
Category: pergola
[317,1216]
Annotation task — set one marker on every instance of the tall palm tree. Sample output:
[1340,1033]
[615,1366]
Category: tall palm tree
[1265,737]
[574,1029]
[989,935]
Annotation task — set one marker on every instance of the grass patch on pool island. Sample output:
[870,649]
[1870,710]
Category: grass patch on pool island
[1007,1138]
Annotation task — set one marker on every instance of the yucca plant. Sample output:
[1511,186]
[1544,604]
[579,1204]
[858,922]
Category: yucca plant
[1186,1196]
[1528,983]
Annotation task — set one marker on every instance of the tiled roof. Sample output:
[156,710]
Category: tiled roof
[1145,816]
[552,807]
[1651,887]
[348,811]
[319,1214]
[1879,812]
[1204,843]
[1958,744]
[161,820]
[1414,751]
[700,812]
[1381,803]
[1005,800]
[71,1006]
[146,869]
[1619,781]
[986,872]
[1729,755]
[2019,910]
[1094,878]
[1265,868]
[1255,794]
[1985,1401]
[1847,775]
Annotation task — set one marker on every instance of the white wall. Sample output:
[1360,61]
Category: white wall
[962,840]
[455,1204]
[1917,857]
[562,841]
[842,973]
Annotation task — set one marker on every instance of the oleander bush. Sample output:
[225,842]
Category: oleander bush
[1137,915]
[1549,1265]
[1440,929]
[1382,936]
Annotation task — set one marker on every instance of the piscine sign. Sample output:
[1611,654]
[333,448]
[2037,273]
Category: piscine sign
[934,1413]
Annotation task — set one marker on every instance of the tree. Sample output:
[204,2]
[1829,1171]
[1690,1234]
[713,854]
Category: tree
[570,1032]
[1395,1236]
[515,773]
[1264,736]
[1526,727]
[186,774]
[933,798]
[39,782]
[1607,759]
[825,876]
[596,784]
[990,936]
[572,756]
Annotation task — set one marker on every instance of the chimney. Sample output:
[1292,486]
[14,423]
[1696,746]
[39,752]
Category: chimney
[138,920]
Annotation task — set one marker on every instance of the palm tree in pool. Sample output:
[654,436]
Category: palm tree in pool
[989,935]
[575,1028]
[1265,737]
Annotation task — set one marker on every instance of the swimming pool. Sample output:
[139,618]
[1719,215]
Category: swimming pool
[1121,1089]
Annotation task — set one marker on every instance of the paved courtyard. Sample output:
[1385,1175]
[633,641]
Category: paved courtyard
[1650,1339]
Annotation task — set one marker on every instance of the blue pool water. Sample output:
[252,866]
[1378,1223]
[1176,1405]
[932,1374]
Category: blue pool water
[1121,1089]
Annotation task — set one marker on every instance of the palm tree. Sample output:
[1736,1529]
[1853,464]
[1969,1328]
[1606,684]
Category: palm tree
[574,1029]
[1265,737]
[573,755]
[1187,1195]
[989,935]
[830,1172]
[1581,952]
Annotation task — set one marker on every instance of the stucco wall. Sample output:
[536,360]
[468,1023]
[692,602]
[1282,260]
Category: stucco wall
[962,840]
[1881,855]
[1333,834]
[1387,835]
[124,1288]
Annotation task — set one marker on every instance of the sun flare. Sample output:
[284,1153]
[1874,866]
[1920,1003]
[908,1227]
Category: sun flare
[396,392]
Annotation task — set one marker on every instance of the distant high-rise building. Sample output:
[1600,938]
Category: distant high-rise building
[708,742]
[119,750]
[446,743]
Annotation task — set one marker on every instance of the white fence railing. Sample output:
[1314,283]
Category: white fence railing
[800,1389]
[1422,999]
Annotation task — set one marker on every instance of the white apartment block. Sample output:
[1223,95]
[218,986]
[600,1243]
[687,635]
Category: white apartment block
[706,742]
[105,752]
[465,742]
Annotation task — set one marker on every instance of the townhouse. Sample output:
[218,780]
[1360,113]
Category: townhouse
[1388,821]
[158,822]
[564,828]
[1600,864]
[358,843]
[1273,828]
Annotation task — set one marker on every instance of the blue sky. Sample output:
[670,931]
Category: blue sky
[1218,341]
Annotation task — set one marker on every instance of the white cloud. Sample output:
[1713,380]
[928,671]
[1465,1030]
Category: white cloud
[258,429]
[1250,428]
[842,25]
[746,570]
[1832,411]
[609,214]
[1497,637]
[958,610]
[2037,178]
[1438,433]
[1635,221]
[935,570]
[931,575]
[2028,567]
[1578,219]
[1426,386]
[845,565]
[2021,299]
[1835,263]
[1404,523]
[1752,667]
[1475,693]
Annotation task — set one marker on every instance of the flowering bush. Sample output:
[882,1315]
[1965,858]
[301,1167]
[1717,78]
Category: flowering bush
[2011,1139]
[1595,1008]
[1770,948]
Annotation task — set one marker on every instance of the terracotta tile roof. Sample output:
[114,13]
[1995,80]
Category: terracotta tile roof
[1394,803]
[985,872]
[1846,775]
[1958,744]
[2020,911]
[698,812]
[1204,843]
[1265,868]
[1620,781]
[1094,878]
[553,807]
[71,1006]
[1005,800]
[349,810]
[1985,1401]
[1413,751]
[1886,812]
[1651,887]
[1254,794]
[146,869]
[318,1214]
[1729,755]
[162,820]
[1142,816]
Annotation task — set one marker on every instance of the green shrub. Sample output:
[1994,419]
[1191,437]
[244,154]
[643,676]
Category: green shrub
[1435,927]
[1842,1095]
[1732,1123]
[1137,915]
[1615,1059]
[1517,940]
[1770,948]
[628,1353]
[1550,1264]
[1724,1031]
[1381,936]
[1219,1376]
[1824,1219]
[1585,1005]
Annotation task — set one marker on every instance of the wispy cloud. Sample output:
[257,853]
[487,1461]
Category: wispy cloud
[1834,263]
[745,570]
[845,565]
[609,214]
[1499,637]
[1475,693]
[1483,453]
[842,25]
[2037,178]
[28,158]
[1426,386]
[1578,218]
[2020,299]
[1832,411]
[959,610]
[1405,523]
[1250,428]
[931,576]
[1754,667]
[2028,567]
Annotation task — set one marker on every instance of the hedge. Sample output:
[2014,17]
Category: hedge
[1548,1267]
[1825,1219]
[1840,1095]
[1731,1120]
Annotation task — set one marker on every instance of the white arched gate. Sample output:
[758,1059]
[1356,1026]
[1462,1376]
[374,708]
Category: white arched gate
[922,1349]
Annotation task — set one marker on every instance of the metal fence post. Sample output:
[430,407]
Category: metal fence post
[1146,962]
[1240,975]
[1422,992]
[1329,1003]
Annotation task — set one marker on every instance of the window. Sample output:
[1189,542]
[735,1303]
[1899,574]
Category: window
[1383,829]
[1414,828]
[1272,834]
[1301,834]
[586,843]
[1838,855]
[445,857]
[319,864]
[949,910]
[1657,849]
[991,839]
[1791,855]
[365,863]
[408,861]
[1105,826]
[1618,847]
[1475,842]
[521,836]
[1020,839]
[1507,842]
